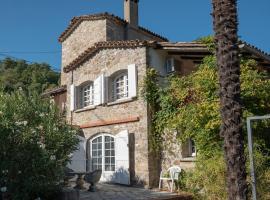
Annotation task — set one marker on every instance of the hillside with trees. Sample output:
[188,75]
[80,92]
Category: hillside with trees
[32,78]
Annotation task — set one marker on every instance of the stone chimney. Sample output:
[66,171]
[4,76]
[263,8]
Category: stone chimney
[131,12]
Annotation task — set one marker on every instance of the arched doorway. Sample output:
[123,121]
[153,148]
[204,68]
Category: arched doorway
[102,155]
[110,153]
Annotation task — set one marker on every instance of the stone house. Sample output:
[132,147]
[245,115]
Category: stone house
[104,62]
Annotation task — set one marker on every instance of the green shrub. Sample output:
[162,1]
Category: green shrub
[207,180]
[262,171]
[35,144]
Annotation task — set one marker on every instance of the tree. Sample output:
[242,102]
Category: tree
[35,144]
[32,78]
[227,52]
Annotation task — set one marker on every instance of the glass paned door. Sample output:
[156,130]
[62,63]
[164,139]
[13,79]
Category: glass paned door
[103,156]
[97,153]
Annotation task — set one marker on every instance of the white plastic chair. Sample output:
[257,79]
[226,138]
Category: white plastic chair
[173,173]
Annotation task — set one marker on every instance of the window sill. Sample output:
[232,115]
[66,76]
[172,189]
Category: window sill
[188,159]
[85,109]
[120,101]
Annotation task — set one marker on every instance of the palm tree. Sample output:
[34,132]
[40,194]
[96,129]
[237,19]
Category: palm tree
[227,52]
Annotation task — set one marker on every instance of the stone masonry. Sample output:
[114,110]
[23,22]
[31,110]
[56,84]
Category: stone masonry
[109,61]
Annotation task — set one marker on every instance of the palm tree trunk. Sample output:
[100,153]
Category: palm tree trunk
[227,52]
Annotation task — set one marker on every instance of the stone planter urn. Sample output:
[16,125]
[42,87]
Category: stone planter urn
[93,178]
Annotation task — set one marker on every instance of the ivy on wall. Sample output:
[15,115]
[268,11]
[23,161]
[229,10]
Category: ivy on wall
[190,105]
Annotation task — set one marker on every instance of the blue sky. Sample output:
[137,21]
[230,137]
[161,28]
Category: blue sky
[30,28]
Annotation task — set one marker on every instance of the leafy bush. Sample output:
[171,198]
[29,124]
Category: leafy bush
[191,106]
[262,170]
[207,180]
[35,144]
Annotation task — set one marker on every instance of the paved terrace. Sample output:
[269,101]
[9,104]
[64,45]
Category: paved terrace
[117,192]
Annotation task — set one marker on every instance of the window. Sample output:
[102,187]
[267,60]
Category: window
[87,95]
[103,153]
[109,154]
[192,148]
[170,65]
[97,153]
[120,87]
[189,149]
[83,95]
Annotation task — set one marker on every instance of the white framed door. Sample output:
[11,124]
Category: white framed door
[111,154]
[102,151]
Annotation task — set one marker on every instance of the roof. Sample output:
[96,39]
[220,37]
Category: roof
[184,46]
[76,21]
[190,47]
[187,48]
[255,50]
[54,91]
[105,45]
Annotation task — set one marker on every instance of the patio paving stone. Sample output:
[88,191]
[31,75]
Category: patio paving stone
[119,192]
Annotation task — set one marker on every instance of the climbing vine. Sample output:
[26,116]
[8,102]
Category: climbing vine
[151,93]
[190,106]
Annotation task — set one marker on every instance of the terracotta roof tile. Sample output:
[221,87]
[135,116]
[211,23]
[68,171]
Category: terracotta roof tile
[197,46]
[75,22]
[106,45]
[255,49]
[54,91]
[185,46]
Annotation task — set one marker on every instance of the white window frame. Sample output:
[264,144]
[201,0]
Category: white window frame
[192,148]
[125,87]
[103,152]
[90,96]
[170,65]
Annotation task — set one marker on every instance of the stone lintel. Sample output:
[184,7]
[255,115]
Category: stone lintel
[110,122]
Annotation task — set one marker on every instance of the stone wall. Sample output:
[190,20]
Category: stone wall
[83,37]
[137,34]
[90,32]
[115,31]
[173,153]
[109,61]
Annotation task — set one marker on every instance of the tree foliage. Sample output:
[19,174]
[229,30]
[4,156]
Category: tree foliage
[191,105]
[35,144]
[29,77]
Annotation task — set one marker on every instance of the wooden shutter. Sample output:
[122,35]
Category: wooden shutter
[122,175]
[106,89]
[78,97]
[72,97]
[132,81]
[78,157]
[103,88]
[99,90]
